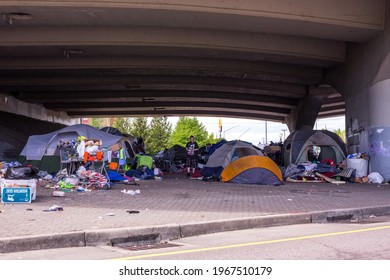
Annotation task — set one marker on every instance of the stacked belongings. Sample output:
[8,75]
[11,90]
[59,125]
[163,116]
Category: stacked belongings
[312,172]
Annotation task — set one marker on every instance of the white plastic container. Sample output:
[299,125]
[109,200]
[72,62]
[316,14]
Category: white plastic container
[361,166]
[32,184]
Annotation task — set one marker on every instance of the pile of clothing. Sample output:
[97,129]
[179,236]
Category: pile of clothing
[308,171]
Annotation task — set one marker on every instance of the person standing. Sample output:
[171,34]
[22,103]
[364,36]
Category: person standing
[192,156]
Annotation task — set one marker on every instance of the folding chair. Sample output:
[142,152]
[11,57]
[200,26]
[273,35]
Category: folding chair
[64,159]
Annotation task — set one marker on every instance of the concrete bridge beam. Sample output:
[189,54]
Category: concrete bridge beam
[12,105]
[306,113]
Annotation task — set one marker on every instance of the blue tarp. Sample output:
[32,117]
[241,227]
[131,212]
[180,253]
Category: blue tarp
[115,176]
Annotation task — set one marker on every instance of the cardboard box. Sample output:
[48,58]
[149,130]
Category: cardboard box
[115,147]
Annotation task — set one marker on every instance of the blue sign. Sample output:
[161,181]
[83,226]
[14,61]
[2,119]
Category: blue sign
[16,195]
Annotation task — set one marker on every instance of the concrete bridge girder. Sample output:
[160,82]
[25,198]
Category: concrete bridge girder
[106,40]
[264,59]
[337,20]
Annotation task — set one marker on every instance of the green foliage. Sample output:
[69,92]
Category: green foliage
[122,124]
[139,128]
[160,131]
[186,127]
[340,133]
[98,122]
[211,139]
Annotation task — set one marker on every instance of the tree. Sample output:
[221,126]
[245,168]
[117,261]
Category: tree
[122,124]
[102,122]
[212,140]
[186,127]
[139,128]
[340,133]
[97,122]
[160,131]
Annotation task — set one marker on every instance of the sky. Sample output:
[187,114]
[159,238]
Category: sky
[254,131]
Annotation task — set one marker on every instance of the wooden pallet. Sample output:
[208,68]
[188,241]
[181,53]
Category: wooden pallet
[330,180]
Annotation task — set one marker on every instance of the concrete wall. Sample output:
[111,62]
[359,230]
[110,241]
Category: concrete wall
[364,81]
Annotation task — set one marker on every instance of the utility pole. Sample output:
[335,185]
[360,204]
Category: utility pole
[284,133]
[220,127]
[266,133]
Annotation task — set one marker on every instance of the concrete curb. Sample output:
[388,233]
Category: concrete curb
[41,242]
[103,237]
[175,231]
[194,229]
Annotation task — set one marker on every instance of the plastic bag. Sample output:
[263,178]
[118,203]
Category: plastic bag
[23,172]
[375,177]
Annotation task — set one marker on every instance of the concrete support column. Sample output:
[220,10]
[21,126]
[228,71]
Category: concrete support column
[379,128]
[364,81]
[306,113]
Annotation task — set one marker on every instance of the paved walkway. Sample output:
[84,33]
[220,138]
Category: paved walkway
[176,200]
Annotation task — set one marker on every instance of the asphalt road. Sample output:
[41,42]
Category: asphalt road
[369,240]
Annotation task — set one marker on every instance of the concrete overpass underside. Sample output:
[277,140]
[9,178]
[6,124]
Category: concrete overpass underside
[249,59]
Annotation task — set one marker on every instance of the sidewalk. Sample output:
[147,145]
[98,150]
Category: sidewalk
[176,207]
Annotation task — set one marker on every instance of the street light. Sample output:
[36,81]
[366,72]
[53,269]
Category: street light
[284,133]
[229,129]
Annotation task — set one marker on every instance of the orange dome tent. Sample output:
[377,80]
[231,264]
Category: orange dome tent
[253,170]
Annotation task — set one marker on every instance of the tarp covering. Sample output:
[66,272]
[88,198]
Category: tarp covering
[253,170]
[46,145]
[112,130]
[175,153]
[227,153]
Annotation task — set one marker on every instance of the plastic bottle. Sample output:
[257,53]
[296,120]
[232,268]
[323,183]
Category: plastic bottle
[58,193]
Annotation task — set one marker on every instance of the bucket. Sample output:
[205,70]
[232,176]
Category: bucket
[86,156]
[361,166]
[99,155]
[113,165]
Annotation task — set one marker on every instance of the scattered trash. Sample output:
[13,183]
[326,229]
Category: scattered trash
[48,177]
[132,211]
[54,208]
[58,193]
[289,199]
[1,211]
[375,177]
[372,216]
[131,192]
[29,209]
[131,183]
[330,180]
[110,214]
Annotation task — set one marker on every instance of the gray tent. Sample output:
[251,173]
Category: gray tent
[42,152]
[226,154]
[299,145]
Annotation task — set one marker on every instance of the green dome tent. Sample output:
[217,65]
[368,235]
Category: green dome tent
[299,144]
